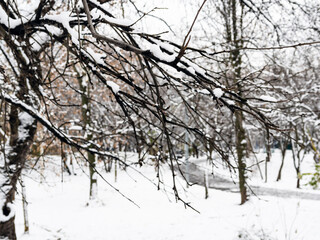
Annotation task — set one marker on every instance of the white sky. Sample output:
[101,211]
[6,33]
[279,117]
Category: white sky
[175,12]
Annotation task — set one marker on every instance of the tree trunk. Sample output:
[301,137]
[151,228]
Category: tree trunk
[297,150]
[283,145]
[280,169]
[93,176]
[233,18]
[24,206]
[298,178]
[234,35]
[22,131]
[268,151]
[241,154]
[86,119]
[7,229]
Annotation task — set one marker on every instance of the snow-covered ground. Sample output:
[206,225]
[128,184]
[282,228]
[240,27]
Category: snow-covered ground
[60,210]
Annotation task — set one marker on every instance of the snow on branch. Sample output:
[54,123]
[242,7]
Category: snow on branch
[51,128]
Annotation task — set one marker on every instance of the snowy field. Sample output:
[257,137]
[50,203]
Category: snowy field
[61,210]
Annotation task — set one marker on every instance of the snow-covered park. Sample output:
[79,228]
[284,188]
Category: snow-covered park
[59,207]
[159,119]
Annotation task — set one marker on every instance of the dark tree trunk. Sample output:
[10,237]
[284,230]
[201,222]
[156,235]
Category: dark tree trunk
[22,131]
[268,151]
[21,138]
[298,178]
[7,229]
[283,145]
[234,35]
[280,169]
